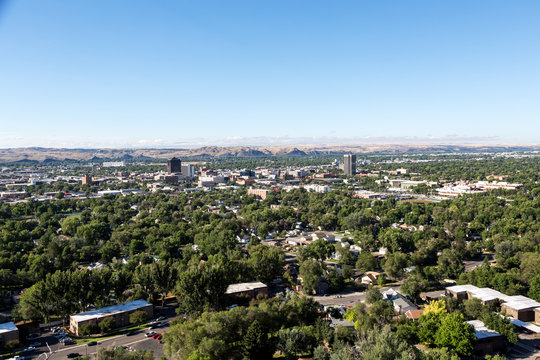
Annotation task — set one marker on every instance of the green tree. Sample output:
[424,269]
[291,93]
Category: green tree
[395,265]
[366,261]
[455,333]
[310,271]
[106,325]
[138,317]
[255,344]
[267,262]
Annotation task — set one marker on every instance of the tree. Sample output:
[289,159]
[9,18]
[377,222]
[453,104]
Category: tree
[430,321]
[473,308]
[321,353]
[291,342]
[357,220]
[89,329]
[255,344]
[373,295]
[395,264]
[138,317]
[534,290]
[266,262]
[366,262]
[450,263]
[164,275]
[106,325]
[310,271]
[201,287]
[385,345]
[530,266]
[12,345]
[119,353]
[455,333]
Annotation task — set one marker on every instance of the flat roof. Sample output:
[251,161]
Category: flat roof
[462,288]
[7,327]
[522,304]
[110,310]
[481,331]
[522,324]
[241,287]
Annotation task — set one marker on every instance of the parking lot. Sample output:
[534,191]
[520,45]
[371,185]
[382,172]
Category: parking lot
[48,346]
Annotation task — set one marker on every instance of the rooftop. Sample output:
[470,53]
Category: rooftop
[241,287]
[7,327]
[481,331]
[110,310]
[461,288]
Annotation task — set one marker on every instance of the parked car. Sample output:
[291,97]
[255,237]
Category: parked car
[92,343]
[73,355]
[160,318]
[68,342]
[35,344]
[150,334]
[29,349]
[155,336]
[131,333]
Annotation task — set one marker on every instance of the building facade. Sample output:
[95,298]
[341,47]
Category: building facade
[119,313]
[349,164]
[86,180]
[188,170]
[8,332]
[174,165]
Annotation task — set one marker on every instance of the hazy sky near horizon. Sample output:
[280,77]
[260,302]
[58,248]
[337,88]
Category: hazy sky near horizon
[158,73]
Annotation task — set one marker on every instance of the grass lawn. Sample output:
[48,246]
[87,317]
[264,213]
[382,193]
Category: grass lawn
[87,339]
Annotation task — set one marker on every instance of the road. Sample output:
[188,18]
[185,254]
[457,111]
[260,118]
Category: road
[136,342]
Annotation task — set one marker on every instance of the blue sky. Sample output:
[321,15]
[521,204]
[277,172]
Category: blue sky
[173,73]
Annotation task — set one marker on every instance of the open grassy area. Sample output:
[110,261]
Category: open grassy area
[87,339]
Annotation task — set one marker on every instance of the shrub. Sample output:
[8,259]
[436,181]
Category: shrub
[107,325]
[89,329]
[138,317]
[12,345]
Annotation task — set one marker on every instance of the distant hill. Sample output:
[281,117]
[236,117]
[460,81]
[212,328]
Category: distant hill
[50,155]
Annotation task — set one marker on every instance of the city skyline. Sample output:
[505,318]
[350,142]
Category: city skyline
[179,74]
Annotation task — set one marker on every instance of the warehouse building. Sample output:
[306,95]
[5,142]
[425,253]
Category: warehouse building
[120,313]
[8,332]
[249,289]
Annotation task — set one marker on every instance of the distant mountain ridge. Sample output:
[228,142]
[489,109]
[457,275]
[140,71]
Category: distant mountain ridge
[47,155]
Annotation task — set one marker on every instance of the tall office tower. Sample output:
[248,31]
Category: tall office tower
[349,164]
[188,170]
[174,165]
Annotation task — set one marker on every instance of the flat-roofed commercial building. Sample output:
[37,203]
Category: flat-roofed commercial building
[120,313]
[8,332]
[521,308]
[518,306]
[251,289]
[487,341]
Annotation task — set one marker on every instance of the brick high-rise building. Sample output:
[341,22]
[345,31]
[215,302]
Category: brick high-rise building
[349,164]
[86,179]
[174,165]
